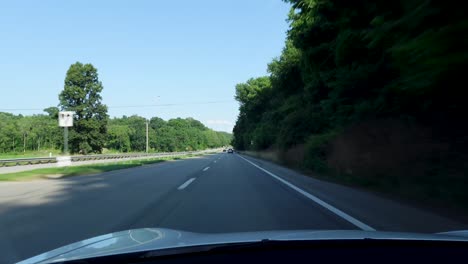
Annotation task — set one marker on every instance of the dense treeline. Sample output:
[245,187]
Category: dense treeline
[129,134]
[20,133]
[363,82]
[346,61]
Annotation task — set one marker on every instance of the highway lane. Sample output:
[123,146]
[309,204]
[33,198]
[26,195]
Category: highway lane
[234,196]
[43,215]
[212,193]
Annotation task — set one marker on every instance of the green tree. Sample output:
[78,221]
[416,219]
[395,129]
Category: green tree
[165,140]
[212,139]
[118,137]
[82,94]
[157,123]
[138,132]
[253,97]
[52,111]
[10,136]
[157,136]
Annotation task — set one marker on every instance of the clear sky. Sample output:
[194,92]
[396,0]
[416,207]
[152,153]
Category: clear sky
[146,52]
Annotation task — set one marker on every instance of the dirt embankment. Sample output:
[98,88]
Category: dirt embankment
[412,161]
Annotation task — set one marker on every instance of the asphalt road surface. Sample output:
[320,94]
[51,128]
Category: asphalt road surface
[213,193]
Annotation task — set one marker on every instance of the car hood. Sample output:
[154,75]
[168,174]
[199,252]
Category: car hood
[138,240]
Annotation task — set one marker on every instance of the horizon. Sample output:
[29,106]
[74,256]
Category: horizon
[150,60]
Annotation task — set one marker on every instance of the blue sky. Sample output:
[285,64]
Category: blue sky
[146,52]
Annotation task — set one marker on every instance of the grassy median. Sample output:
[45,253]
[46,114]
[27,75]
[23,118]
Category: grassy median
[81,170]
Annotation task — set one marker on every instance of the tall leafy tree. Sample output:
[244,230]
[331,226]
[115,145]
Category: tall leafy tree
[138,132]
[82,94]
[52,111]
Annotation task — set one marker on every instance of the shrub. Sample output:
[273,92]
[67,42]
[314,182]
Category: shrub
[316,149]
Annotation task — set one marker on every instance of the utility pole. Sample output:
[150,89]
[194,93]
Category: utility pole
[147,136]
[65,140]
[147,141]
[65,121]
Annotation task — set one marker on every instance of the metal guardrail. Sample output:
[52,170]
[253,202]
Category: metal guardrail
[26,161]
[42,160]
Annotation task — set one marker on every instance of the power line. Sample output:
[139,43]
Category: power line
[173,104]
[130,106]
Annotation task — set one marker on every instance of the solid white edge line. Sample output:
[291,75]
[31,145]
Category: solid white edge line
[205,169]
[185,184]
[334,210]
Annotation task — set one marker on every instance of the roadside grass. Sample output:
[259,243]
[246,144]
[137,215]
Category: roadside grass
[62,172]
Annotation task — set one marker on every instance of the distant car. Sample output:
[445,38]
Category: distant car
[224,150]
[230,151]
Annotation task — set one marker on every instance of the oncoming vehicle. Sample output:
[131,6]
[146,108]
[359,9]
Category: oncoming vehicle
[230,150]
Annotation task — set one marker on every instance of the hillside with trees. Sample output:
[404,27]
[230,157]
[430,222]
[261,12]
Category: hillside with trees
[368,92]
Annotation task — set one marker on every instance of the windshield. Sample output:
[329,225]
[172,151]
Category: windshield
[230,116]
